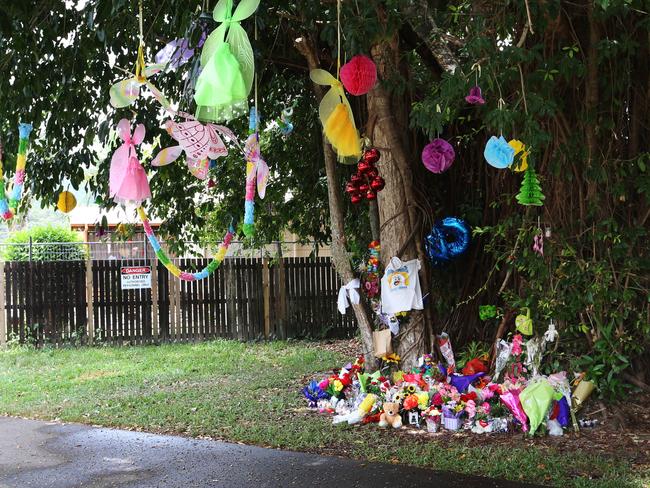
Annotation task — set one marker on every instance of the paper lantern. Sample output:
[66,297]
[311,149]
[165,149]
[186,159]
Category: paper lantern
[438,155]
[499,153]
[359,75]
[531,191]
[67,202]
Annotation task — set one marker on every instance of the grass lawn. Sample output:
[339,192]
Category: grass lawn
[250,393]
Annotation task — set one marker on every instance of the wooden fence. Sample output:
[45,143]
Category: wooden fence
[244,299]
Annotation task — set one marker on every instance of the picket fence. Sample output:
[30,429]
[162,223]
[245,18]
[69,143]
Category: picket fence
[246,299]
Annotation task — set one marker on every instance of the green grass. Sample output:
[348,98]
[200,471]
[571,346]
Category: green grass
[250,393]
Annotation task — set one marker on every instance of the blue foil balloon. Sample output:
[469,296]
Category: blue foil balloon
[449,238]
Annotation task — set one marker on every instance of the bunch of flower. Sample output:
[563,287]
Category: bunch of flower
[431,412]
[443,393]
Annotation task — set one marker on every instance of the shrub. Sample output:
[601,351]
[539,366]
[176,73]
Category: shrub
[51,243]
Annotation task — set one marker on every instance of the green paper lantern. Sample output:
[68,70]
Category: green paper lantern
[531,190]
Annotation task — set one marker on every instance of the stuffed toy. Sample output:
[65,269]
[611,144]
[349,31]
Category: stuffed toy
[390,416]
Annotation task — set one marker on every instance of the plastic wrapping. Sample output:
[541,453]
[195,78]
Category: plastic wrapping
[504,350]
[447,352]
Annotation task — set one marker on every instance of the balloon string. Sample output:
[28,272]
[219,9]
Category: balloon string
[338,34]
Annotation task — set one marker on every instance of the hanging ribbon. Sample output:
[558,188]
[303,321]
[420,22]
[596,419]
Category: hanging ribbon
[348,291]
[8,208]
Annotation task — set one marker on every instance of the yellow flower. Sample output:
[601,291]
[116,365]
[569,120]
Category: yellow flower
[423,400]
[391,358]
[398,376]
[519,146]
[338,386]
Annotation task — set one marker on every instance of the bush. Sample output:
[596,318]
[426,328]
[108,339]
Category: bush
[50,243]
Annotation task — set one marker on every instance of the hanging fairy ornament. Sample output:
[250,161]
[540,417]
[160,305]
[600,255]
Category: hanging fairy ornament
[127,91]
[334,111]
[128,180]
[228,65]
[200,142]
[359,75]
[531,190]
[538,243]
[257,173]
[8,207]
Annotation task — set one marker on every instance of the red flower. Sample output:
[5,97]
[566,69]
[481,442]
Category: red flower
[468,396]
[437,399]
[345,379]
[411,402]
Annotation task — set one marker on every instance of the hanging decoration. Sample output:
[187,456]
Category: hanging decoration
[334,111]
[538,243]
[371,281]
[448,240]
[171,267]
[66,202]
[475,96]
[531,190]
[524,323]
[125,92]
[200,142]
[521,164]
[8,208]
[438,155]
[336,116]
[257,173]
[359,75]
[128,180]
[366,182]
[498,152]
[228,64]
[284,122]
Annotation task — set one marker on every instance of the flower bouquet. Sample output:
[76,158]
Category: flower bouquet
[451,415]
[433,418]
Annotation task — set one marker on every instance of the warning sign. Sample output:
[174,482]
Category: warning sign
[136,277]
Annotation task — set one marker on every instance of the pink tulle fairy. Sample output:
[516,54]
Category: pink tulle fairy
[128,180]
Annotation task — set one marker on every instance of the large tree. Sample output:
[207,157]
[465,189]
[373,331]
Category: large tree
[569,79]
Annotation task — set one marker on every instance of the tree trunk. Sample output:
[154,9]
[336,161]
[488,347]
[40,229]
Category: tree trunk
[340,257]
[399,226]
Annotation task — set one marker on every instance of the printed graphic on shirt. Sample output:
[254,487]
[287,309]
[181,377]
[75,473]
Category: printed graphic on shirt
[398,279]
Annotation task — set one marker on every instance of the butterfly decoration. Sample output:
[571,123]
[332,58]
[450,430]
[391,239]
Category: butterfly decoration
[257,175]
[200,142]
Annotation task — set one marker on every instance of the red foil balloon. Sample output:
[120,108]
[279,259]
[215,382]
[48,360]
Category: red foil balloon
[371,195]
[372,173]
[364,188]
[355,198]
[355,180]
[351,188]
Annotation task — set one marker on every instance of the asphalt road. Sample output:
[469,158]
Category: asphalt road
[53,455]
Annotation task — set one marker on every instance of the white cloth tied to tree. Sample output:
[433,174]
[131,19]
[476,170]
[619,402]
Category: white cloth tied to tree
[349,290]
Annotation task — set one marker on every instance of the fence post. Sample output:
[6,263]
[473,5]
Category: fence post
[282,309]
[3,316]
[90,306]
[266,279]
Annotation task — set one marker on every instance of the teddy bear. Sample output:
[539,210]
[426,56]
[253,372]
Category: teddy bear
[390,416]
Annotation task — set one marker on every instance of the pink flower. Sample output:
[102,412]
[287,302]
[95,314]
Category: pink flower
[470,408]
[323,385]
[487,393]
[516,344]
[475,96]
[486,408]
[437,399]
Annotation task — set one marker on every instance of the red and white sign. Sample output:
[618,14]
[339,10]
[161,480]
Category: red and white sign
[135,277]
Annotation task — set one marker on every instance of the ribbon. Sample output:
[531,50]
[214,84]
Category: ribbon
[350,291]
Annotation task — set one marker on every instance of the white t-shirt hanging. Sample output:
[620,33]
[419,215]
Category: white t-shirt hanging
[400,286]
